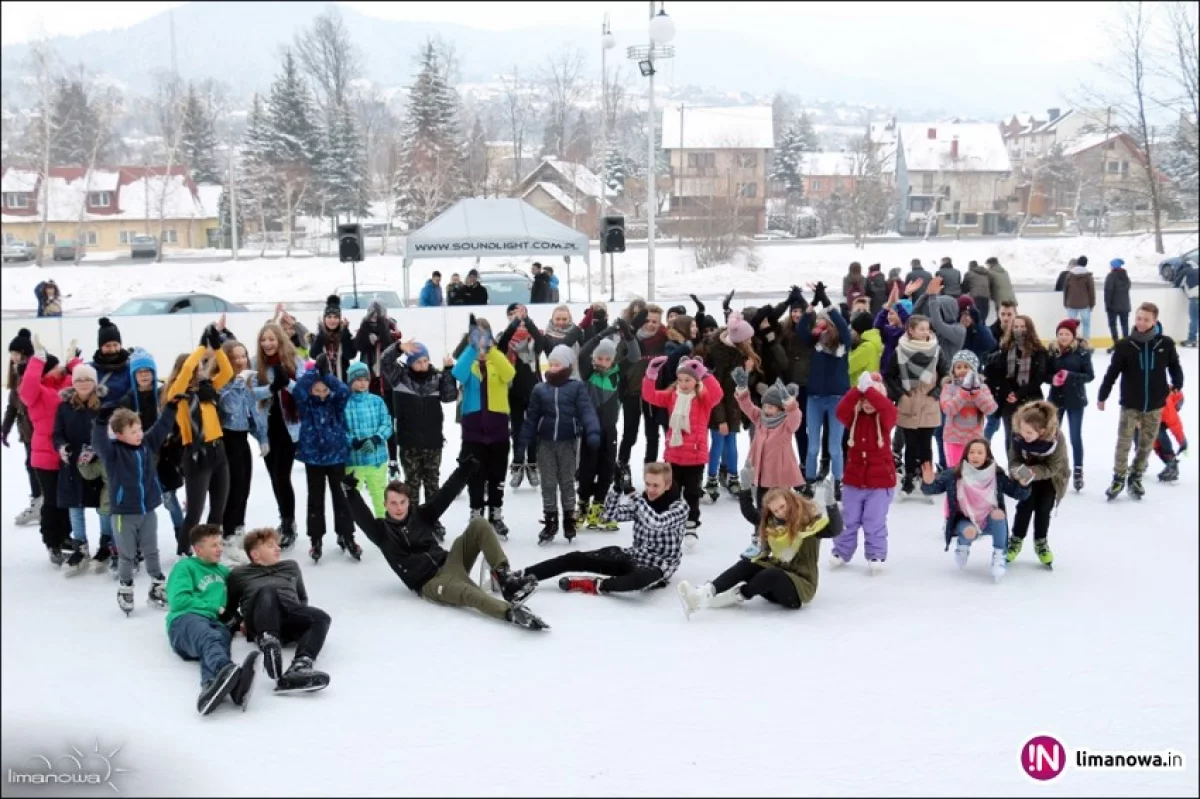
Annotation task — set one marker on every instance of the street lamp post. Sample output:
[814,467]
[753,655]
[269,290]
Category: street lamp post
[662,31]
[607,42]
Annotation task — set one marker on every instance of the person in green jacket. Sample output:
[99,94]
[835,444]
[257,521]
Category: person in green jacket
[866,353]
[196,595]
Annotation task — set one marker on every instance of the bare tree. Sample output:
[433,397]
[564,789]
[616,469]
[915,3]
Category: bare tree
[869,202]
[105,104]
[517,110]
[328,55]
[1051,177]
[1183,54]
[166,104]
[562,82]
[42,132]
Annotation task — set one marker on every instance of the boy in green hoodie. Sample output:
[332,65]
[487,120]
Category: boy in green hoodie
[197,598]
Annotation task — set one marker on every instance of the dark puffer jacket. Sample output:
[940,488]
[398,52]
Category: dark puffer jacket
[73,429]
[410,547]
[1077,362]
[417,399]
[133,486]
[721,360]
[338,345]
[245,582]
[323,439]
[560,413]
[605,387]
[996,376]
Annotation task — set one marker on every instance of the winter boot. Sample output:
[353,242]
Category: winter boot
[516,474]
[823,471]
[214,692]
[712,488]
[496,517]
[1117,486]
[32,514]
[1077,479]
[301,677]
[158,592]
[1136,489]
[515,587]
[1042,548]
[549,527]
[521,616]
[1014,548]
[961,553]
[240,691]
[348,545]
[999,564]
[287,533]
[77,561]
[592,520]
[272,654]
[837,490]
[531,474]
[125,597]
[624,478]
[1171,473]
[724,599]
[580,585]
[314,551]
[569,526]
[104,554]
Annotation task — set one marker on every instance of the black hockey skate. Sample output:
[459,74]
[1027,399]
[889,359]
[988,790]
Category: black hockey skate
[837,490]
[549,528]
[348,545]
[823,470]
[523,617]
[239,692]
[272,652]
[301,678]
[214,693]
[515,587]
[1077,478]
[1114,490]
[570,526]
[624,478]
[314,551]
[1136,489]
[713,488]
[158,593]
[287,534]
[1171,473]
[496,517]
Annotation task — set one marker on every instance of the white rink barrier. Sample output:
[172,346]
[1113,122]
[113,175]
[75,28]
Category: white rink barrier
[441,329]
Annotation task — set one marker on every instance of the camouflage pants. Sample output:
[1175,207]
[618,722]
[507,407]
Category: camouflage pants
[1147,426]
[422,467]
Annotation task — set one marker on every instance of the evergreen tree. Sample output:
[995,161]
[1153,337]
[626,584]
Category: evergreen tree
[614,164]
[256,176]
[1179,160]
[809,141]
[477,159]
[348,157]
[78,128]
[223,217]
[431,173]
[295,142]
[198,140]
[579,146]
[787,163]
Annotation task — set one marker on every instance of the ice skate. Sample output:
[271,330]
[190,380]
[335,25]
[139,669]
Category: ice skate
[272,654]
[531,474]
[723,476]
[287,534]
[569,526]
[77,558]
[712,488]
[875,567]
[515,587]
[1114,490]
[314,551]
[580,585]
[56,556]
[999,564]
[1042,549]
[711,599]
[521,616]
[516,475]
[835,560]
[1136,489]
[961,553]
[30,515]
[734,486]
[837,490]
[214,692]
[1171,473]
[239,692]
[807,491]
[1014,548]
[1077,479]
[393,471]
[823,470]
[157,598]
[691,539]
[549,527]
[349,546]
[624,478]
[691,598]
[104,554]
[125,598]
[301,677]
[496,517]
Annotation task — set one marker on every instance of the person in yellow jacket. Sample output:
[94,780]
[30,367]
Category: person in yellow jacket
[205,468]
[866,348]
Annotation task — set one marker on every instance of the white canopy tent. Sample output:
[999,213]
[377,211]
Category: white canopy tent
[493,227]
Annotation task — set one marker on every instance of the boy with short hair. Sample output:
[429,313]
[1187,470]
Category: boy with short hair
[196,592]
[269,594]
[368,427]
[128,456]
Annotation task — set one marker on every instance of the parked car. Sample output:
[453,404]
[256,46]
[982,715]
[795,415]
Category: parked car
[67,250]
[366,294]
[15,251]
[182,302]
[1167,268]
[504,288]
[143,247]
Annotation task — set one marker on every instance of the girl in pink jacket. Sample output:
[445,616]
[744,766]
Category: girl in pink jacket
[966,403]
[44,378]
[772,462]
[689,403]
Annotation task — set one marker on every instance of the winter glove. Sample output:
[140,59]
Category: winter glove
[639,321]
[210,338]
[174,401]
[725,303]
[865,382]
[626,329]
[1060,378]
[747,477]
[793,390]
[350,482]
[600,318]
[471,325]
[207,393]
[699,305]
[39,349]
[322,364]
[87,454]
[264,449]
[357,444]
[655,366]
[279,379]
[820,297]
[971,382]
[73,350]
[376,441]
[740,378]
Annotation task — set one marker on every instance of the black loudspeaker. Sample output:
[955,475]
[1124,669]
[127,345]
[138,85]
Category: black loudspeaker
[612,234]
[350,243]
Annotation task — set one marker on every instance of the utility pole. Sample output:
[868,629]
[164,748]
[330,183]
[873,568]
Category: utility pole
[679,188]
[651,174]
[606,41]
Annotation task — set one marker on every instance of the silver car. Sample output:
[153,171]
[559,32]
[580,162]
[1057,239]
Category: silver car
[16,251]
[143,247]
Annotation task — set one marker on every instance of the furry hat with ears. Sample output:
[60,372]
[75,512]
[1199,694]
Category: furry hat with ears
[333,305]
[739,329]
[779,394]
[693,368]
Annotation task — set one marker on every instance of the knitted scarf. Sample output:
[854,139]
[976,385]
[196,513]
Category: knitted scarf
[1018,363]
[520,347]
[1038,448]
[918,362]
[681,418]
[771,422]
[977,493]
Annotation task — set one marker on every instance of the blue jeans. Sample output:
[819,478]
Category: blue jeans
[1193,317]
[941,446]
[996,528]
[1075,423]
[79,524]
[1084,315]
[194,637]
[171,503]
[818,410]
[991,426]
[723,452]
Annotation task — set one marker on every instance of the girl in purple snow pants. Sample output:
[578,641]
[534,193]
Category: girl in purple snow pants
[866,508]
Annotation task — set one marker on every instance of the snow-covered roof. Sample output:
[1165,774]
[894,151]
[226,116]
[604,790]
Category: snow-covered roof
[712,128]
[138,196]
[980,148]
[1088,141]
[556,194]
[19,180]
[821,164]
[584,179]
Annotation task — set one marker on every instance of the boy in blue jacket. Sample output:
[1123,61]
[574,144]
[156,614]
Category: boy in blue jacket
[128,455]
[324,448]
[368,425]
[560,413]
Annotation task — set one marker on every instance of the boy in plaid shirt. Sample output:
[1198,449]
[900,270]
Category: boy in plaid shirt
[658,517]
[368,426]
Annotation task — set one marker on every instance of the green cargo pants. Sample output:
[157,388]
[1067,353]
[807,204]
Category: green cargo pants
[454,585]
[1147,426]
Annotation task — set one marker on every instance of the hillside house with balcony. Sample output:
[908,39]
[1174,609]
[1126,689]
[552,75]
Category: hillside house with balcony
[566,191]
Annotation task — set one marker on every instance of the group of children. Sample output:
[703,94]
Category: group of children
[559,407]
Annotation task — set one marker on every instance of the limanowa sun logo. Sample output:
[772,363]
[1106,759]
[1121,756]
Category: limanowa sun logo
[76,767]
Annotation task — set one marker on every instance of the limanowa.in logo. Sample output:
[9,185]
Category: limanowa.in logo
[1043,757]
[76,767]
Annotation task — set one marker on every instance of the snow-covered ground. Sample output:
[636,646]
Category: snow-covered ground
[921,681]
[303,278]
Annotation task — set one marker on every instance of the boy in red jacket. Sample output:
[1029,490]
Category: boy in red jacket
[870,475]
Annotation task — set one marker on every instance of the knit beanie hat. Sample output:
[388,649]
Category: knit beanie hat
[605,349]
[873,268]
[1116,263]
[894,273]
[861,322]
[905,305]
[512,306]
[693,368]
[417,351]
[82,372]
[108,332]
[706,322]
[1069,324]
[965,304]
[676,309]
[1081,260]
[23,343]
[139,359]
[778,394]
[356,370]
[562,356]
[967,357]
[739,329]
[333,306]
